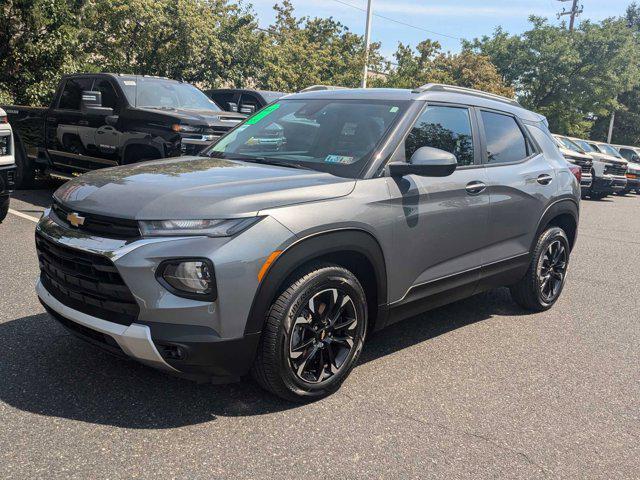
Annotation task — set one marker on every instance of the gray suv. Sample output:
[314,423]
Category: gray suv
[321,218]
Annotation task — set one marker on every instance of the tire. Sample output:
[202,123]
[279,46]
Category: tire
[25,170]
[529,292]
[4,208]
[282,365]
[598,196]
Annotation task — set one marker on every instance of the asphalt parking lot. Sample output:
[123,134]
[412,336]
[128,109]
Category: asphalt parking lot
[477,389]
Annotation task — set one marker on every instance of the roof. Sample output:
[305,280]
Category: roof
[444,93]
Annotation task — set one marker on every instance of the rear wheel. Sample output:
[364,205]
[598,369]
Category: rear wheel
[542,285]
[4,207]
[25,170]
[313,335]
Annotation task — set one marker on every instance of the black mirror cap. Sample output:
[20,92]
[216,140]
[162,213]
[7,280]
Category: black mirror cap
[426,162]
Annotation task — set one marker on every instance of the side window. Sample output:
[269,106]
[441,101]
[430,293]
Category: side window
[70,98]
[505,141]
[446,128]
[109,97]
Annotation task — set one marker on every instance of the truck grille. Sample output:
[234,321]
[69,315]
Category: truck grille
[616,169]
[86,282]
[99,225]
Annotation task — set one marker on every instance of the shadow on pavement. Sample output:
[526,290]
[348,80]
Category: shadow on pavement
[45,370]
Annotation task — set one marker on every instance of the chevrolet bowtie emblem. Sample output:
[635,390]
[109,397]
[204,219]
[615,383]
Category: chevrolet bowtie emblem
[74,219]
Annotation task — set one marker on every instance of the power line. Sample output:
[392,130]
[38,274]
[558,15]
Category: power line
[574,12]
[397,21]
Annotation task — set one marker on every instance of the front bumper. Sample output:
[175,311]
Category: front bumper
[586,181]
[190,338]
[7,179]
[633,183]
[609,184]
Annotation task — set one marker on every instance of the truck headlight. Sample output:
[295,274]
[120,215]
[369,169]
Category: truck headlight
[189,278]
[210,228]
[177,127]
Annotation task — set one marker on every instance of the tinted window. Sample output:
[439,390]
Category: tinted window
[247,102]
[505,141]
[70,98]
[109,98]
[630,155]
[446,128]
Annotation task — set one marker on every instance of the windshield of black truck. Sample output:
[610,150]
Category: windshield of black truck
[336,136]
[165,94]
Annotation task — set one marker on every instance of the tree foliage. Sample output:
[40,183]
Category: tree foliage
[429,64]
[573,78]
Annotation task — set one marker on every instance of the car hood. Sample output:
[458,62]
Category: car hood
[634,168]
[207,118]
[196,188]
[603,157]
[572,153]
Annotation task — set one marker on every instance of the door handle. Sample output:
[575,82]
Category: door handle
[544,179]
[475,187]
[83,122]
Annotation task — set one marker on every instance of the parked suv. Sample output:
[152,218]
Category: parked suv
[631,155]
[377,205]
[574,154]
[609,173]
[620,168]
[7,164]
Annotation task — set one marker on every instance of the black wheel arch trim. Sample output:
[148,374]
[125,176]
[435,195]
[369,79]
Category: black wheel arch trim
[563,206]
[308,249]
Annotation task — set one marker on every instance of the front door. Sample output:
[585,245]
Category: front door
[441,231]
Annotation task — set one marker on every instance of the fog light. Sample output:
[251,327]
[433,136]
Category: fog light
[189,278]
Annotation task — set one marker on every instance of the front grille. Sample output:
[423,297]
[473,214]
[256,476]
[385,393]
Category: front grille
[616,169]
[99,225]
[586,168]
[86,282]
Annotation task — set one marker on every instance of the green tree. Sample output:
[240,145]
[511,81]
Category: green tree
[205,42]
[428,64]
[306,51]
[39,41]
[572,78]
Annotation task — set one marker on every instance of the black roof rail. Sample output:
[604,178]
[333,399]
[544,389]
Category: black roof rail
[440,87]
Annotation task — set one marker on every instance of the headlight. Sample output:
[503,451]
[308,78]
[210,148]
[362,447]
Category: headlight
[177,127]
[189,278]
[210,228]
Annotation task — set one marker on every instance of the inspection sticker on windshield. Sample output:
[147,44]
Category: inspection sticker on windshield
[262,113]
[339,159]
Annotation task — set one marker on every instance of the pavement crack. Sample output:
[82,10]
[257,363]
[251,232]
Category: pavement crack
[492,441]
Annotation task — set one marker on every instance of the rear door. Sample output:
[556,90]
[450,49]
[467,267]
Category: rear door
[521,184]
[67,130]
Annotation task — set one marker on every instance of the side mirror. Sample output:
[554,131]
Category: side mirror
[91,104]
[247,109]
[426,162]
[233,107]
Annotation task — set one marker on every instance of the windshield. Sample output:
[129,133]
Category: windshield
[584,145]
[336,136]
[609,149]
[165,94]
[570,145]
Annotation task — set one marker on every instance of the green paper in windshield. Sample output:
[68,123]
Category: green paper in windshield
[262,113]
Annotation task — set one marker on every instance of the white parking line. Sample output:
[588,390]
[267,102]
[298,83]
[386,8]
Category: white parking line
[22,215]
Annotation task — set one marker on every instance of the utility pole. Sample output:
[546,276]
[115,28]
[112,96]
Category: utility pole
[611,122]
[574,12]
[367,40]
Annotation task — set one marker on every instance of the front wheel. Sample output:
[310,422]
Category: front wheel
[4,207]
[542,285]
[313,335]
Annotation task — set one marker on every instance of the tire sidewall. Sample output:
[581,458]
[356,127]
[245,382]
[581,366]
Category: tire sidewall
[548,237]
[328,277]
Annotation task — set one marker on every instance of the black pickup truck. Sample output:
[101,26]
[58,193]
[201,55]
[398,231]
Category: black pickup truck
[101,120]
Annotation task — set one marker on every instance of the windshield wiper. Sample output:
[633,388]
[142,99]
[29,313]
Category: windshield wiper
[269,161]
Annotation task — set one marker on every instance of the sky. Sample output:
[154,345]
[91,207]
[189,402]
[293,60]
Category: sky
[449,20]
